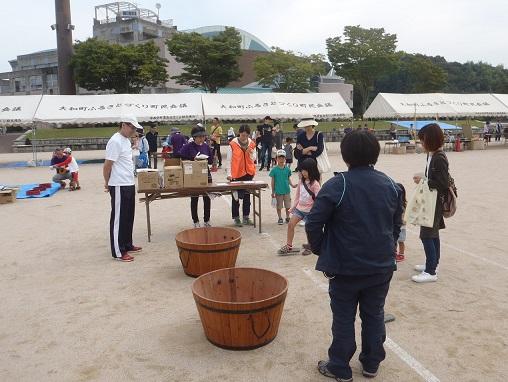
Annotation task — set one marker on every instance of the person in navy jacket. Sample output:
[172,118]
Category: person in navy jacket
[353,227]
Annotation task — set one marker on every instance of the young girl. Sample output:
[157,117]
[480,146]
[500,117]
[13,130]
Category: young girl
[306,193]
[402,236]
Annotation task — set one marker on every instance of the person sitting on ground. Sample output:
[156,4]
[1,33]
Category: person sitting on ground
[73,169]
[192,151]
[242,167]
[306,192]
[353,228]
[57,162]
[281,180]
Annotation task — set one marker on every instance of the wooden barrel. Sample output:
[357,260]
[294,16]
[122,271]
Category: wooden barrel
[240,308]
[203,250]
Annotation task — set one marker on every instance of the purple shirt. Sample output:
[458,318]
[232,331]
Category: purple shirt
[190,150]
[178,140]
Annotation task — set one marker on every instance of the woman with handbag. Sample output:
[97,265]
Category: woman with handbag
[438,178]
[310,144]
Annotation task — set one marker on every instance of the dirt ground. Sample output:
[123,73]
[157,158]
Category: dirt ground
[71,313]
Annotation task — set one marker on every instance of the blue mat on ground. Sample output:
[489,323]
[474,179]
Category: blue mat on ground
[420,124]
[44,194]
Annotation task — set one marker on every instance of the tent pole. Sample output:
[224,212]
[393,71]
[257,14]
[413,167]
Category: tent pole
[34,144]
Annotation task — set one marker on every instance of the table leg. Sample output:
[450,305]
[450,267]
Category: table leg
[259,200]
[254,206]
[148,223]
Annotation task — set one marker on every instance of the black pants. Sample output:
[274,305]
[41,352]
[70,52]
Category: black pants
[152,159]
[346,294]
[266,155]
[194,208]
[123,202]
[242,195]
[216,147]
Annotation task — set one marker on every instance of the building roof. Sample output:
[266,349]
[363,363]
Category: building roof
[249,41]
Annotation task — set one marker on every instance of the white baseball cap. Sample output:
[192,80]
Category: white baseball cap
[132,120]
[281,153]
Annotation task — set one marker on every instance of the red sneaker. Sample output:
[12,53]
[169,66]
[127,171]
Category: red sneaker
[135,249]
[125,257]
[399,258]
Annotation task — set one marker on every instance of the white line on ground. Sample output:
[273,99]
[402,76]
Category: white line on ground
[407,358]
[465,252]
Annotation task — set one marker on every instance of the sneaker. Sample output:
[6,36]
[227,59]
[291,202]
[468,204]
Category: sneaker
[280,221]
[287,220]
[421,268]
[399,258]
[306,246]
[424,277]
[135,249]
[247,221]
[197,225]
[126,258]
[207,224]
[238,222]
[306,252]
[323,369]
[302,223]
[261,168]
[369,374]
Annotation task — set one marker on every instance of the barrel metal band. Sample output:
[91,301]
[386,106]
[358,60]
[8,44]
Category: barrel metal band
[250,311]
[209,250]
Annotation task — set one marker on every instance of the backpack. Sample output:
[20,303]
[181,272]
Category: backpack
[449,200]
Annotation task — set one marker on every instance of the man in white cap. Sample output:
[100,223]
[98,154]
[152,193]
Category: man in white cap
[119,182]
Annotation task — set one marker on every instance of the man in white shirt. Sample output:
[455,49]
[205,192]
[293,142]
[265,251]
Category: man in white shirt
[118,174]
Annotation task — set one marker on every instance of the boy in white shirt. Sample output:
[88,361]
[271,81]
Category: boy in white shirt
[73,169]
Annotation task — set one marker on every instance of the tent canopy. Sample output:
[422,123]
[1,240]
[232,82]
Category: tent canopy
[419,124]
[276,105]
[110,108]
[395,105]
[18,110]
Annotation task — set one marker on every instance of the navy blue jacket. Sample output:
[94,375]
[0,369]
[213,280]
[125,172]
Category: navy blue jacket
[354,226]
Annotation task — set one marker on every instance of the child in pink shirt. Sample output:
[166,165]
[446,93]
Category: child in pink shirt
[306,193]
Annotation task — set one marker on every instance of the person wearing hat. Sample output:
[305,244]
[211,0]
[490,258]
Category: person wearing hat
[73,169]
[142,146]
[266,139]
[152,138]
[176,140]
[216,134]
[59,161]
[118,172]
[191,151]
[281,180]
[309,144]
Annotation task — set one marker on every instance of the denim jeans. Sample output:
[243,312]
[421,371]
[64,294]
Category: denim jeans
[346,294]
[266,155]
[432,250]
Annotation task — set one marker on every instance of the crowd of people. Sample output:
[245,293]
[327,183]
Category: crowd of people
[353,222]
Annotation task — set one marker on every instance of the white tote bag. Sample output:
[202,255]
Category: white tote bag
[323,162]
[421,207]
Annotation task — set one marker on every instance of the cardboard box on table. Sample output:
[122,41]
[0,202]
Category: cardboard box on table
[173,177]
[148,179]
[195,174]
[172,162]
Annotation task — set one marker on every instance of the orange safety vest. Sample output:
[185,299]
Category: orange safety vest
[241,162]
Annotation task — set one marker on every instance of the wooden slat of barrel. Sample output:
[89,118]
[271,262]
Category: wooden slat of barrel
[240,308]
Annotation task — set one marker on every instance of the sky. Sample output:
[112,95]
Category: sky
[459,30]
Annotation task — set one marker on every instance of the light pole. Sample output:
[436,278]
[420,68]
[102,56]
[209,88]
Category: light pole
[64,30]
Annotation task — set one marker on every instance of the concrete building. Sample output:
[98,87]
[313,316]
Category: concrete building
[331,83]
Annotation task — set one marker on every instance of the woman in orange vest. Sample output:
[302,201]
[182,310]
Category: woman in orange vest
[241,154]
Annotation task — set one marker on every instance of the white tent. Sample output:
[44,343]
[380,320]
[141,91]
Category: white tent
[503,98]
[395,105]
[276,105]
[63,109]
[18,110]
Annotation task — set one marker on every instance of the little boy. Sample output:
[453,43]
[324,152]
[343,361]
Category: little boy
[288,148]
[281,180]
[73,168]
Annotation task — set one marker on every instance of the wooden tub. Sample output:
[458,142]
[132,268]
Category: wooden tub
[240,308]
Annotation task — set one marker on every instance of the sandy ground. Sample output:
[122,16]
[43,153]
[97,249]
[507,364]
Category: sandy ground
[71,313]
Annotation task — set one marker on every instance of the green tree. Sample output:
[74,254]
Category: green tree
[288,72]
[100,65]
[414,73]
[210,63]
[362,56]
